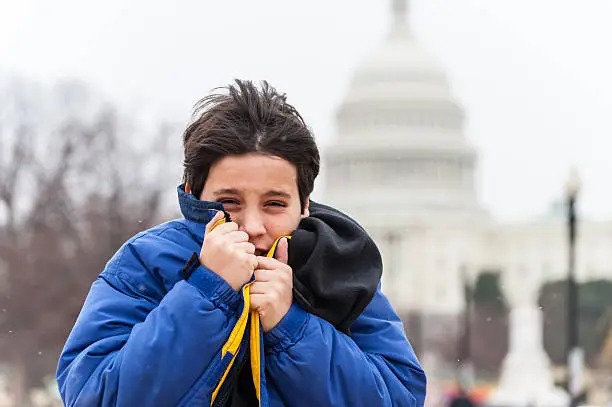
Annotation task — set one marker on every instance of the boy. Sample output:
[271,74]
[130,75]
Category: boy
[257,297]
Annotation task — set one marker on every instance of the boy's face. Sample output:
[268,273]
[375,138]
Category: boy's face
[261,194]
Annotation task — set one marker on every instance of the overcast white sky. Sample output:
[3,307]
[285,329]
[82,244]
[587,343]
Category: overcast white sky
[533,75]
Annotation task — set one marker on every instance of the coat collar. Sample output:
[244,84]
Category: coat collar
[195,210]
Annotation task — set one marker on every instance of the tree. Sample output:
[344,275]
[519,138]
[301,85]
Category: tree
[594,314]
[488,325]
[487,290]
[77,179]
[489,339]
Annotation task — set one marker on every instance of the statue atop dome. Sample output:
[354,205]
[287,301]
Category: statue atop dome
[399,9]
[399,131]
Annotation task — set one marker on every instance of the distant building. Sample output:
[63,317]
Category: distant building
[400,164]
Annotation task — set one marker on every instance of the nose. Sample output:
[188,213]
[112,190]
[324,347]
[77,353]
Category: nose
[252,223]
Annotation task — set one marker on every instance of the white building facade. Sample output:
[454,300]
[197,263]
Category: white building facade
[401,165]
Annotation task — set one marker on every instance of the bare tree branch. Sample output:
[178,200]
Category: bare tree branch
[74,189]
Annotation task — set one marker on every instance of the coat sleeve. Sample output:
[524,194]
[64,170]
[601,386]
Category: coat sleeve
[127,349]
[310,363]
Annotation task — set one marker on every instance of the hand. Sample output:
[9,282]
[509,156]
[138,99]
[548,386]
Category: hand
[227,252]
[272,291]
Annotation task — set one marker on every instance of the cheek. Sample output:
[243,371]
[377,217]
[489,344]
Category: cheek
[283,225]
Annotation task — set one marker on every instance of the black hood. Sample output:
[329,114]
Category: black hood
[336,266]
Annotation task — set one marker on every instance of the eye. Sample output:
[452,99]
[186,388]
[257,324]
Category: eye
[277,204]
[228,201]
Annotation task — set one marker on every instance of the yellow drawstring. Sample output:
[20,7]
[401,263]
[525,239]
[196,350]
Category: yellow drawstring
[256,336]
[234,342]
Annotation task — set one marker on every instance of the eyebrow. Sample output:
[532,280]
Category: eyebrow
[223,191]
[233,191]
[280,194]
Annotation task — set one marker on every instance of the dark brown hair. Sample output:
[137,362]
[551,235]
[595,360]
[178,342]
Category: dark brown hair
[248,119]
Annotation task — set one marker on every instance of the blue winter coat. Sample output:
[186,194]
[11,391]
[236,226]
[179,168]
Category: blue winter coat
[146,336]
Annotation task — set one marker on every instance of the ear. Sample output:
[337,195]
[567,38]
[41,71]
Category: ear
[306,210]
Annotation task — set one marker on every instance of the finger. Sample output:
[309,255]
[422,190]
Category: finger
[237,236]
[253,260]
[282,251]
[260,287]
[264,275]
[270,263]
[263,301]
[211,225]
[280,278]
[225,228]
[247,247]
[249,261]
[258,301]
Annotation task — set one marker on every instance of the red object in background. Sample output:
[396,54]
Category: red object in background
[479,394]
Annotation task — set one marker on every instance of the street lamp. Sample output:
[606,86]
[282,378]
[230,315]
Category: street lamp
[574,353]
[466,369]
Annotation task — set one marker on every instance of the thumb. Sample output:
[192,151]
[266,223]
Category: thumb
[282,250]
[213,222]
